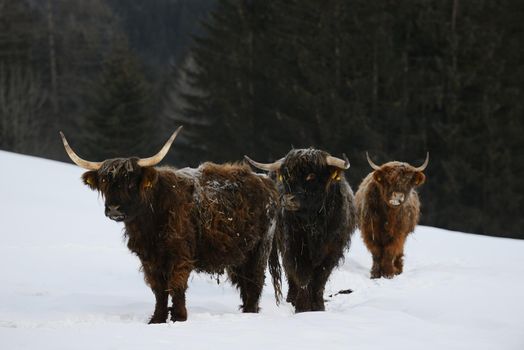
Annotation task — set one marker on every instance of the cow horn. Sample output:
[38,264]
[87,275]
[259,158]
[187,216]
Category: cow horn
[337,162]
[76,159]
[157,158]
[423,166]
[266,166]
[373,165]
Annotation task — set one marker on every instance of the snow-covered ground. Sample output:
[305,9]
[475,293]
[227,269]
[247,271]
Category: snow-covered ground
[69,282]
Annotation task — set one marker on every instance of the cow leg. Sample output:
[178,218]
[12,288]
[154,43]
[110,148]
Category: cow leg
[376,252]
[399,263]
[158,285]
[376,270]
[299,288]
[249,279]
[304,299]
[387,261]
[292,291]
[399,254]
[161,310]
[177,287]
[320,277]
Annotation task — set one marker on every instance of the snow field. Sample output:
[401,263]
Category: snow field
[69,282]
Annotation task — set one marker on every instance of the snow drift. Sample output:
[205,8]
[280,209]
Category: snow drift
[69,282]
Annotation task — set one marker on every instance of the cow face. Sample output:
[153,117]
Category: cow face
[124,185]
[396,180]
[304,177]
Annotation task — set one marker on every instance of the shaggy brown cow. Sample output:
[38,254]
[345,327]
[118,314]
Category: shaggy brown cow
[209,219]
[315,223]
[388,210]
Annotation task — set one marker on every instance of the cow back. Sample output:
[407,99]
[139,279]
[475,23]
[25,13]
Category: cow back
[233,211]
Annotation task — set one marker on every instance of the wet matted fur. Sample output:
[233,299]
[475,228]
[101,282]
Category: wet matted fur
[211,219]
[314,225]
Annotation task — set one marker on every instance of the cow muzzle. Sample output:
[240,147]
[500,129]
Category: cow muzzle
[396,199]
[290,203]
[113,212]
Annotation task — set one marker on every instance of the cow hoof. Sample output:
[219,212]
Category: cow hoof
[250,309]
[178,318]
[157,320]
[179,314]
[298,311]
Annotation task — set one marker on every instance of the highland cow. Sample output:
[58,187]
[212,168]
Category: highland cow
[315,222]
[388,210]
[211,219]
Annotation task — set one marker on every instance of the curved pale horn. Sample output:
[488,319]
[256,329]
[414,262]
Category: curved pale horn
[337,162]
[266,166]
[423,166]
[373,165]
[157,158]
[76,159]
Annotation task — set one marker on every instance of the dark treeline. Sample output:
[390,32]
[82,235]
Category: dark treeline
[95,69]
[393,78]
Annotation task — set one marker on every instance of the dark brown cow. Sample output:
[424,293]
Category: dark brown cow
[209,219]
[388,210]
[315,223]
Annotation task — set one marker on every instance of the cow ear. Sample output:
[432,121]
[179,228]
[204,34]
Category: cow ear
[336,174]
[149,178]
[279,176]
[419,178]
[90,178]
[378,176]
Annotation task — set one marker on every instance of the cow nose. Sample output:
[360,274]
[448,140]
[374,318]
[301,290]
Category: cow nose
[114,213]
[399,196]
[112,210]
[290,202]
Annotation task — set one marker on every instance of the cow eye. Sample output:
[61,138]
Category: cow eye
[311,177]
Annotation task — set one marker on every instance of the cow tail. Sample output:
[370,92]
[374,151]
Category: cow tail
[275,270]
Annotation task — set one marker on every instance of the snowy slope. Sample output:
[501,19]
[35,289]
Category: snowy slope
[69,282]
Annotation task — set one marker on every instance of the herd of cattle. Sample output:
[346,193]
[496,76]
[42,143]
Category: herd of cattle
[227,218]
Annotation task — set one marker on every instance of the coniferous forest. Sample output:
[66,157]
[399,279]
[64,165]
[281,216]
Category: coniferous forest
[257,77]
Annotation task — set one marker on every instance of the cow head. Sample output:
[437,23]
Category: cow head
[396,180]
[304,176]
[125,183]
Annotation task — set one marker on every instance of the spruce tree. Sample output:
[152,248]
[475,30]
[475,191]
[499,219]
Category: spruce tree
[228,97]
[119,122]
[395,79]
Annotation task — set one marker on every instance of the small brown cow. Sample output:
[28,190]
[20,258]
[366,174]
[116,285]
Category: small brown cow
[209,219]
[388,210]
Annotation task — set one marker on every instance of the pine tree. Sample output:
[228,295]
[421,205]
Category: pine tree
[119,122]
[228,83]
[397,79]
[22,93]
